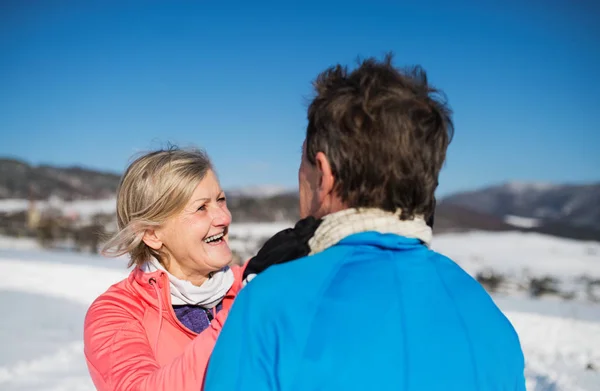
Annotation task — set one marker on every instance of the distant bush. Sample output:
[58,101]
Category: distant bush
[543,286]
[593,289]
[88,237]
[490,280]
[282,207]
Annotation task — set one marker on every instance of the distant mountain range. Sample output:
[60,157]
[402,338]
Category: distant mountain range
[20,180]
[561,210]
[542,204]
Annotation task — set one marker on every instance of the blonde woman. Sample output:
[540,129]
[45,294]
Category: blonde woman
[156,329]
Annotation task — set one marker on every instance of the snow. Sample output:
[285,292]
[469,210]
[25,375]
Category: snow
[13,205]
[89,207]
[49,352]
[525,187]
[7,242]
[521,253]
[83,208]
[523,222]
[42,344]
[570,266]
[558,350]
[257,230]
[247,238]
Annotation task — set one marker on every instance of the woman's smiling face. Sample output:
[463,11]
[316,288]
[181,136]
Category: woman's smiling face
[196,239]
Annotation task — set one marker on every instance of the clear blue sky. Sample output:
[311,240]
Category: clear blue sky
[92,85]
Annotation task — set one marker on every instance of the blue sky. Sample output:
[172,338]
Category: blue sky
[94,84]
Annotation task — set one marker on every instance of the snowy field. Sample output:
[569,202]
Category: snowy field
[44,296]
[79,207]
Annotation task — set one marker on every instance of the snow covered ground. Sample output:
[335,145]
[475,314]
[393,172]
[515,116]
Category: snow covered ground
[44,296]
[518,252]
[519,257]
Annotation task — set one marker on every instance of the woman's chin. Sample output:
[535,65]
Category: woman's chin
[219,253]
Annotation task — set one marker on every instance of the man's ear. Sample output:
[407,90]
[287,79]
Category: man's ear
[326,178]
[152,240]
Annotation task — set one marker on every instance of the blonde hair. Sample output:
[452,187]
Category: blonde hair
[155,187]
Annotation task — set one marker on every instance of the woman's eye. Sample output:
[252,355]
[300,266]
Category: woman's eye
[222,199]
[203,207]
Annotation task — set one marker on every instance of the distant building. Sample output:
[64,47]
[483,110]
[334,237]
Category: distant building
[33,215]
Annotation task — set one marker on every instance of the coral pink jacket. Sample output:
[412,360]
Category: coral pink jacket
[134,341]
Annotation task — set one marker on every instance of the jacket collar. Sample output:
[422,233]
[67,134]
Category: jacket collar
[141,282]
[383,240]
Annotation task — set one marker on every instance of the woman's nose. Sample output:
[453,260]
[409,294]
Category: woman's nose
[220,216]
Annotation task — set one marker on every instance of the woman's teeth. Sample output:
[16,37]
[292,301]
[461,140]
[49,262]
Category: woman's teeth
[214,238]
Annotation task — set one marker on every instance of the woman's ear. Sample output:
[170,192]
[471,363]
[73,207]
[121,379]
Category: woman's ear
[152,240]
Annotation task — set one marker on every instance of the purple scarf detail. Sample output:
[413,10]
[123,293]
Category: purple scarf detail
[194,317]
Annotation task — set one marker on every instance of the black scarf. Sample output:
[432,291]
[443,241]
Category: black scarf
[284,246]
[287,245]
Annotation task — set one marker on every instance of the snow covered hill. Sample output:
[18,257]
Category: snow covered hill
[44,296]
[577,205]
[83,208]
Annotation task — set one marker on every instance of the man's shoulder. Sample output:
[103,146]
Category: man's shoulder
[300,269]
[295,280]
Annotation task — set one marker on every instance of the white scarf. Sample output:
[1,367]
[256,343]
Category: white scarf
[339,225]
[207,295]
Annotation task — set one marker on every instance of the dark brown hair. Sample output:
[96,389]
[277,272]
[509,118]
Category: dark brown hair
[385,132]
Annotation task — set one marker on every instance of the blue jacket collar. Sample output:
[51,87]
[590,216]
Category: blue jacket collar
[387,241]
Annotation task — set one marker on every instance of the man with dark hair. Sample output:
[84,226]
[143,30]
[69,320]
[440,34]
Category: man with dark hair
[367,305]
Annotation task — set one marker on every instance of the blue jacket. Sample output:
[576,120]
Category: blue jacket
[374,312]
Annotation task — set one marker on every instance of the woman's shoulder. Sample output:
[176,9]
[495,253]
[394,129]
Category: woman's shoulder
[238,274]
[120,300]
[237,271]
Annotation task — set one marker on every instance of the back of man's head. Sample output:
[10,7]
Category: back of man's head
[385,132]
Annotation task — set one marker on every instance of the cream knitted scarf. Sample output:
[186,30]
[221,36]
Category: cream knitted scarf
[339,225]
